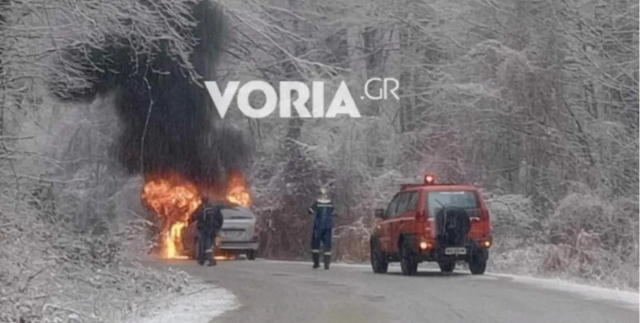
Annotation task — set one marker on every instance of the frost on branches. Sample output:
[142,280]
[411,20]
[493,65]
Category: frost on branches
[535,102]
[66,231]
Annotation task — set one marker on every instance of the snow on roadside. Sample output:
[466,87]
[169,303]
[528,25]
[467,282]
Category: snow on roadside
[585,291]
[627,298]
[199,304]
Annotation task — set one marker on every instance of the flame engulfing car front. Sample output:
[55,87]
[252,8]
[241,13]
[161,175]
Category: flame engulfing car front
[238,234]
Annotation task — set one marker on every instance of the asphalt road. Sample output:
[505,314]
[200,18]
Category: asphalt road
[293,292]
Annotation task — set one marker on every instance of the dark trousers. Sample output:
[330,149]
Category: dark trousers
[206,241]
[321,237]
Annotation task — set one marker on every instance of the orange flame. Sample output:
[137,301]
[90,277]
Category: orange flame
[175,200]
[237,192]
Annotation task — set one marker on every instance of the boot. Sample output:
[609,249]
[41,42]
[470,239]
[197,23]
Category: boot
[327,261]
[199,255]
[316,260]
[212,259]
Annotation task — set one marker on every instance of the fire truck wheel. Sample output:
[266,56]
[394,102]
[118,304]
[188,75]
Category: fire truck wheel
[379,261]
[478,263]
[408,260]
[447,266]
[251,254]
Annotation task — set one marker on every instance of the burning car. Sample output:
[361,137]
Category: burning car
[237,236]
[175,200]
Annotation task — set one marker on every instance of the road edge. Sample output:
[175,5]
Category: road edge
[585,291]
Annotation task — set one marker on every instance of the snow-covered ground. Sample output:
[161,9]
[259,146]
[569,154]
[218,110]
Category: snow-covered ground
[630,299]
[199,304]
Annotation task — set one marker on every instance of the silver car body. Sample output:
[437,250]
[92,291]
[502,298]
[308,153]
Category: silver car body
[237,236]
[238,230]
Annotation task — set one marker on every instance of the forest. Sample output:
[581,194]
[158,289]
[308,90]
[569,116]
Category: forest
[534,101]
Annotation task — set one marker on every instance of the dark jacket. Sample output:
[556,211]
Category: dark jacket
[323,210]
[209,217]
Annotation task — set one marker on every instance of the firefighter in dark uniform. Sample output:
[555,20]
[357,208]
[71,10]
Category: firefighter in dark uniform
[323,210]
[209,222]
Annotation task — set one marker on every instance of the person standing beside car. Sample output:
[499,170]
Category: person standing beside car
[209,222]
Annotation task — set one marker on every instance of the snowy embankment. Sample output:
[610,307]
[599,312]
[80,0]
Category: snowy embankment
[198,304]
[50,273]
[624,298]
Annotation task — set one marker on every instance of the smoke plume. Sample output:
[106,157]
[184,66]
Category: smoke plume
[169,123]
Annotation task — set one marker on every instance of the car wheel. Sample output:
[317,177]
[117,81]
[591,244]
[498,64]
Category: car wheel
[447,267]
[408,260]
[379,261]
[478,263]
[251,254]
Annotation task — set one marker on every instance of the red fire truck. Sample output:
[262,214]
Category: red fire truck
[430,221]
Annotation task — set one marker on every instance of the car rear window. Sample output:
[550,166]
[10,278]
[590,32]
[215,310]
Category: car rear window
[237,214]
[462,199]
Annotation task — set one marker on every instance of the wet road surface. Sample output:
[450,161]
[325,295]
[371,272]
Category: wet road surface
[284,292]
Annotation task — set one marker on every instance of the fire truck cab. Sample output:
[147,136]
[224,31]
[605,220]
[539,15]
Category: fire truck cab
[443,223]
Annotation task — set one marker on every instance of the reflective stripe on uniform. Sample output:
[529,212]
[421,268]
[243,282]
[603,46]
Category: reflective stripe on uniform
[315,250]
[311,210]
[328,253]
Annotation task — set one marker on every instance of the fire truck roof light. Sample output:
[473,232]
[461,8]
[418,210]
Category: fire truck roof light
[429,179]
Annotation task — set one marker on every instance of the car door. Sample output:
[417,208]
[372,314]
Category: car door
[383,226]
[396,224]
[406,217]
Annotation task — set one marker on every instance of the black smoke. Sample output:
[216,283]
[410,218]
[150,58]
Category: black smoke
[183,131]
